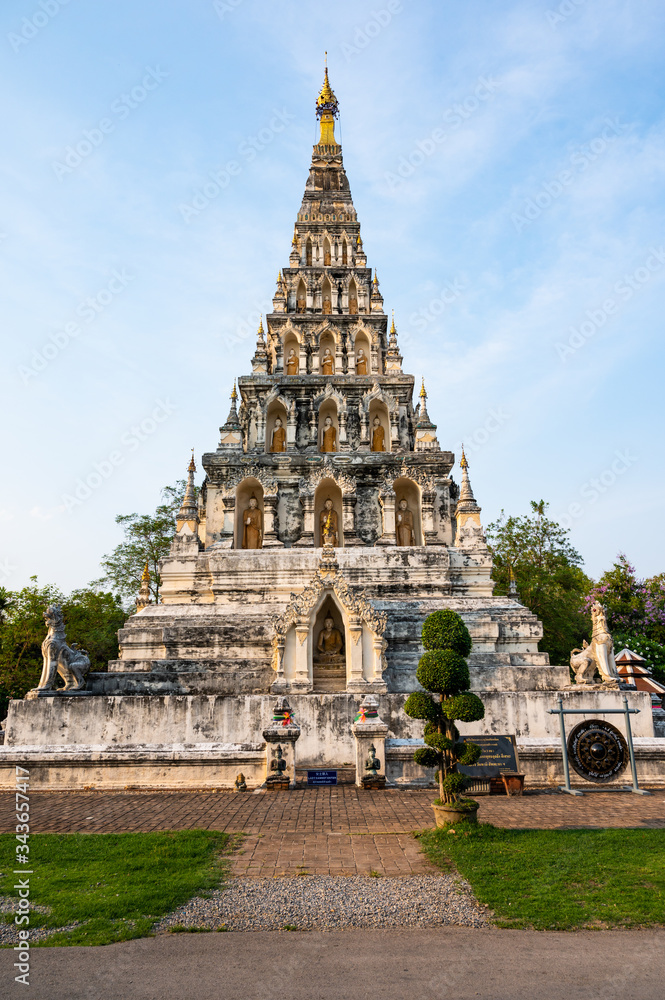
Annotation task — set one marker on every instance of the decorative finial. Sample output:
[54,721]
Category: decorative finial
[423,393]
[359,241]
[294,241]
[392,325]
[376,279]
[145,575]
[192,464]
[260,331]
[463,464]
[189,508]
[234,394]
[327,109]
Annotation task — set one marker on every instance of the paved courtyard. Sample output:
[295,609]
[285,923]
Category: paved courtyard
[323,831]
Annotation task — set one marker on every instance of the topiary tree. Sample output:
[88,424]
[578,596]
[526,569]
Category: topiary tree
[443,673]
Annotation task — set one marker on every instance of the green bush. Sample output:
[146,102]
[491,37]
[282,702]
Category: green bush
[443,670]
[445,630]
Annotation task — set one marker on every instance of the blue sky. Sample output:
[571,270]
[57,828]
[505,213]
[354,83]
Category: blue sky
[506,160]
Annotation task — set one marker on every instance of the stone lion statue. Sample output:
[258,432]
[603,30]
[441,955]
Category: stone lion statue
[599,655]
[72,663]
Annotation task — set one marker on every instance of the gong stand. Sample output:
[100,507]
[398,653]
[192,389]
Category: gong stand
[625,711]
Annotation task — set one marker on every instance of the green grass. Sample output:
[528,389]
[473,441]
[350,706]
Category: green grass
[117,884]
[559,879]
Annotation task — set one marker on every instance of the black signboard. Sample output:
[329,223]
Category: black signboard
[322,777]
[499,754]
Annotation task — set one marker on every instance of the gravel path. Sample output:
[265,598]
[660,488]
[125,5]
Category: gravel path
[9,932]
[323,902]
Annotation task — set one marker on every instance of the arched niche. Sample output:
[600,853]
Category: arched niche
[406,489]
[301,297]
[361,343]
[327,258]
[291,343]
[379,410]
[246,489]
[327,342]
[328,409]
[326,297]
[276,411]
[308,253]
[353,298]
[328,669]
[345,252]
[326,489]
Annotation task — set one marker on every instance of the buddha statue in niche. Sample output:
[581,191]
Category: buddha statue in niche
[330,643]
[378,436]
[329,438]
[404,524]
[327,363]
[301,303]
[278,442]
[328,525]
[327,306]
[353,306]
[361,362]
[292,363]
[252,525]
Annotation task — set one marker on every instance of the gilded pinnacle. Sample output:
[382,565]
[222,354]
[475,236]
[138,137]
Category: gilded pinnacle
[423,393]
[392,325]
[192,465]
[463,464]
[234,394]
[145,575]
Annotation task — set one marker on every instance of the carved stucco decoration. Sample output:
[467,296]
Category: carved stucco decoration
[376,392]
[275,395]
[264,476]
[300,606]
[330,393]
[417,475]
[346,483]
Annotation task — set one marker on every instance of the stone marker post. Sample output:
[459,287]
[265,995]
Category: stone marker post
[370,731]
[281,737]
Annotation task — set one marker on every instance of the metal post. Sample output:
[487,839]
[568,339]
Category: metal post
[631,750]
[564,755]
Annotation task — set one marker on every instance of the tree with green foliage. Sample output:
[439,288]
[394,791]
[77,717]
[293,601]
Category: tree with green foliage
[548,575]
[443,673]
[92,619]
[147,537]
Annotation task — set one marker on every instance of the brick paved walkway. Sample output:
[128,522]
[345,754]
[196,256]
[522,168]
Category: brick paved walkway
[330,854]
[344,809]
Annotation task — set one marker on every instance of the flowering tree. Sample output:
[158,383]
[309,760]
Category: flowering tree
[634,607]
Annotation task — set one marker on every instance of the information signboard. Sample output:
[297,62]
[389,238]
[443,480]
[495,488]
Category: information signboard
[322,777]
[499,754]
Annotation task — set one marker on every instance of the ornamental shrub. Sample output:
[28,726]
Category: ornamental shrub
[445,630]
[444,674]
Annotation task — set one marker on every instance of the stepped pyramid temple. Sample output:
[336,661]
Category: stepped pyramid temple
[328,526]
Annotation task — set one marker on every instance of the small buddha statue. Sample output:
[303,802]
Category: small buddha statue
[327,306]
[353,306]
[330,642]
[292,363]
[240,783]
[301,304]
[328,524]
[278,442]
[404,524]
[327,363]
[277,764]
[361,362]
[252,525]
[329,439]
[372,764]
[378,436]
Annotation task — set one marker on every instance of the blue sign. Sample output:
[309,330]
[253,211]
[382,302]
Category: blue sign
[322,777]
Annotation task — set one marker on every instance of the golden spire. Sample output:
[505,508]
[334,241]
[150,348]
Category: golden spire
[463,464]
[192,464]
[359,242]
[145,575]
[327,109]
[294,241]
[392,325]
[260,332]
[376,279]
[234,394]
[422,393]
